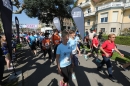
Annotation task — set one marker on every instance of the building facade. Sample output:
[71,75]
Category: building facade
[110,16]
[67,24]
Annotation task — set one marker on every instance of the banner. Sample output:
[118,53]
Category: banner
[78,17]
[56,22]
[6,16]
[17,27]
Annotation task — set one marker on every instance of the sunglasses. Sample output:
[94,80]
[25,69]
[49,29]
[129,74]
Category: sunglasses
[113,37]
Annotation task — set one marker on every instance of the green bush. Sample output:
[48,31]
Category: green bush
[123,40]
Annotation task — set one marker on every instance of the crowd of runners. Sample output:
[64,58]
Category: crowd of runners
[66,45]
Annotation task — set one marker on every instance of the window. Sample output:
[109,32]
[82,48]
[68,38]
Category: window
[88,10]
[115,16]
[113,29]
[103,29]
[88,22]
[68,27]
[104,17]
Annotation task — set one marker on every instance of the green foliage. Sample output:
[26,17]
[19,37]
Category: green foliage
[117,57]
[46,10]
[125,32]
[123,40]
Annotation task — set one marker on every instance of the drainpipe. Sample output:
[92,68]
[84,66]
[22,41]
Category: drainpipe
[122,22]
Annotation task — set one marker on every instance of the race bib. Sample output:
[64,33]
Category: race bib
[73,51]
[57,41]
[113,50]
[66,60]
[46,44]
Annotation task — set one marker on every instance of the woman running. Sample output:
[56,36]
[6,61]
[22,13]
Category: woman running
[107,49]
[6,52]
[46,44]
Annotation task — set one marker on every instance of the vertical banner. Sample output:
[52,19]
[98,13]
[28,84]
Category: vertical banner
[6,16]
[17,27]
[57,24]
[78,17]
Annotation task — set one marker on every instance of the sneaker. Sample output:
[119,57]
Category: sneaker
[65,84]
[61,83]
[73,76]
[86,57]
[98,61]
[11,68]
[112,79]
[11,64]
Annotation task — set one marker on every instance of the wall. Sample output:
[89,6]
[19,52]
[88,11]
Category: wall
[126,18]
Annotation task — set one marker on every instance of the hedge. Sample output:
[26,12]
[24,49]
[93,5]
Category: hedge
[122,40]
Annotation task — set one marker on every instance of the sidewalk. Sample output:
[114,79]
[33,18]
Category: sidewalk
[124,49]
[38,72]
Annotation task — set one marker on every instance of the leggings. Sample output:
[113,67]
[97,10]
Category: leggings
[106,60]
[49,51]
[55,48]
[66,72]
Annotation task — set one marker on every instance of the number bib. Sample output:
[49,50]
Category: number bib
[47,45]
[66,60]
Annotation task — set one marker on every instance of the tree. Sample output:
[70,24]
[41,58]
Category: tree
[46,10]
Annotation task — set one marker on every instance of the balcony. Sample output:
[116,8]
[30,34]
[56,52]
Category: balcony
[127,5]
[89,14]
[84,4]
[110,5]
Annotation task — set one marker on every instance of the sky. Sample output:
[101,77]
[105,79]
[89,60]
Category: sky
[24,19]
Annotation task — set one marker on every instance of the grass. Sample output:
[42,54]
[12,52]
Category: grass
[116,56]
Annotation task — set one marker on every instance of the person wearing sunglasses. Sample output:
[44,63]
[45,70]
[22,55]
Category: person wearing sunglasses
[107,49]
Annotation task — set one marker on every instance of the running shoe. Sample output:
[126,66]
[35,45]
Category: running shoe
[11,68]
[73,76]
[98,61]
[61,83]
[86,57]
[65,84]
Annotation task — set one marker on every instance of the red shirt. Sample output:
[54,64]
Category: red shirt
[95,41]
[108,47]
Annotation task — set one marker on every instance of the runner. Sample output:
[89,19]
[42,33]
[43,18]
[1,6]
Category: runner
[95,44]
[63,59]
[72,42]
[46,44]
[6,52]
[41,37]
[32,43]
[56,41]
[107,48]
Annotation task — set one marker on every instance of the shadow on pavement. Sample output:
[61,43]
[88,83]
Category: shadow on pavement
[42,70]
[53,82]
[121,78]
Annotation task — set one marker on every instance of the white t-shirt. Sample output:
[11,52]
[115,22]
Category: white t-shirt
[91,35]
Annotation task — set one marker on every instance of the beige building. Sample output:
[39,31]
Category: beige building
[67,24]
[110,16]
